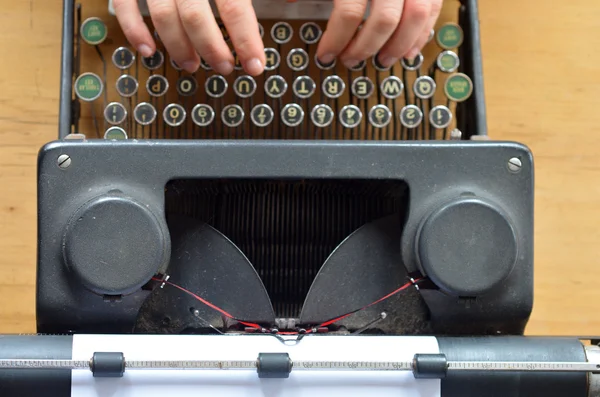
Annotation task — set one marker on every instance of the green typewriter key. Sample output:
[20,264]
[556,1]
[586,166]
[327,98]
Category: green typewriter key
[304,87]
[244,86]
[187,86]
[232,115]
[322,115]
[310,33]
[297,59]
[380,116]
[440,117]
[174,114]
[93,31]
[448,62]
[88,87]
[262,115]
[282,32]
[203,115]
[216,86]
[157,85]
[272,58]
[413,65]
[350,116]
[144,113]
[123,58]
[362,87]
[411,116]
[391,87]
[424,87]
[127,86]
[115,134]
[275,86]
[458,87]
[450,36]
[333,86]
[292,115]
[115,113]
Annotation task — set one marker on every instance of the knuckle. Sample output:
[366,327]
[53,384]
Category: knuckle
[192,17]
[419,10]
[387,20]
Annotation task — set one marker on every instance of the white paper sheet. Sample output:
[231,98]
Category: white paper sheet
[245,383]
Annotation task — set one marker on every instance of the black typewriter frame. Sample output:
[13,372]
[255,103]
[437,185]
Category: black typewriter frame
[470,115]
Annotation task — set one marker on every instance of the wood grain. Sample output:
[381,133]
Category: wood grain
[541,83]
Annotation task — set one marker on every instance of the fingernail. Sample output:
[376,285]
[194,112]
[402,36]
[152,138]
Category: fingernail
[145,50]
[350,63]
[387,61]
[327,58]
[224,68]
[412,54]
[254,67]
[189,66]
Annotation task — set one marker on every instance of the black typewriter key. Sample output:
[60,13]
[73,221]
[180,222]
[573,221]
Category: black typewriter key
[359,66]
[93,31]
[411,116]
[350,116]
[244,86]
[362,87]
[216,86]
[204,65]
[424,87]
[450,36]
[458,87]
[391,87]
[415,64]
[144,113]
[380,116]
[297,59]
[448,62]
[292,115]
[262,115]
[310,33]
[377,65]
[157,85]
[175,66]
[237,63]
[281,32]
[333,86]
[127,86]
[232,115]
[154,61]
[174,114]
[304,87]
[324,66]
[440,117]
[187,86]
[275,86]
[203,115]
[115,113]
[322,115]
[123,58]
[115,134]
[88,87]
[273,59]
[261,30]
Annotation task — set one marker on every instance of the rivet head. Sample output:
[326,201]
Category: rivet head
[514,164]
[64,161]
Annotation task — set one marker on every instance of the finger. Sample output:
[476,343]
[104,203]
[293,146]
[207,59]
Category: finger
[133,26]
[345,18]
[241,24]
[168,25]
[204,33]
[414,17]
[436,9]
[376,31]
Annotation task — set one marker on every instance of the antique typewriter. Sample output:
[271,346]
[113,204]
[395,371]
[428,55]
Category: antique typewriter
[355,231]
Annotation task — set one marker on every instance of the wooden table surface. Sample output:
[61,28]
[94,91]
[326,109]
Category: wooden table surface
[542,88]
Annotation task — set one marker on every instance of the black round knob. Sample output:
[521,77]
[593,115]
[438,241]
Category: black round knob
[467,247]
[114,245]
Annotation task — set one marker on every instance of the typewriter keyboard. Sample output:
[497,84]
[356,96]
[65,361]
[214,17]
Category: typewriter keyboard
[120,95]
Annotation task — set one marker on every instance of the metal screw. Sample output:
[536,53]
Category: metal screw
[64,161]
[514,165]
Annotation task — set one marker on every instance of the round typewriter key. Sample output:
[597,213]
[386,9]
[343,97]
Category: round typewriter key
[458,87]
[115,113]
[281,32]
[127,86]
[297,59]
[272,59]
[237,63]
[175,65]
[333,86]
[450,36]
[431,36]
[440,117]
[232,115]
[216,86]
[203,115]
[360,66]
[275,86]
[380,116]
[93,31]
[187,86]
[304,87]
[261,30]
[262,115]
[322,115]
[324,66]
[377,65]
[174,114]
[350,116]
[411,116]
[292,115]
[414,65]
[448,62]
[88,87]
[244,86]
[144,113]
[362,87]
[424,87]
[310,33]
[157,85]
[204,65]
[391,87]
[154,61]
[115,134]
[123,58]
